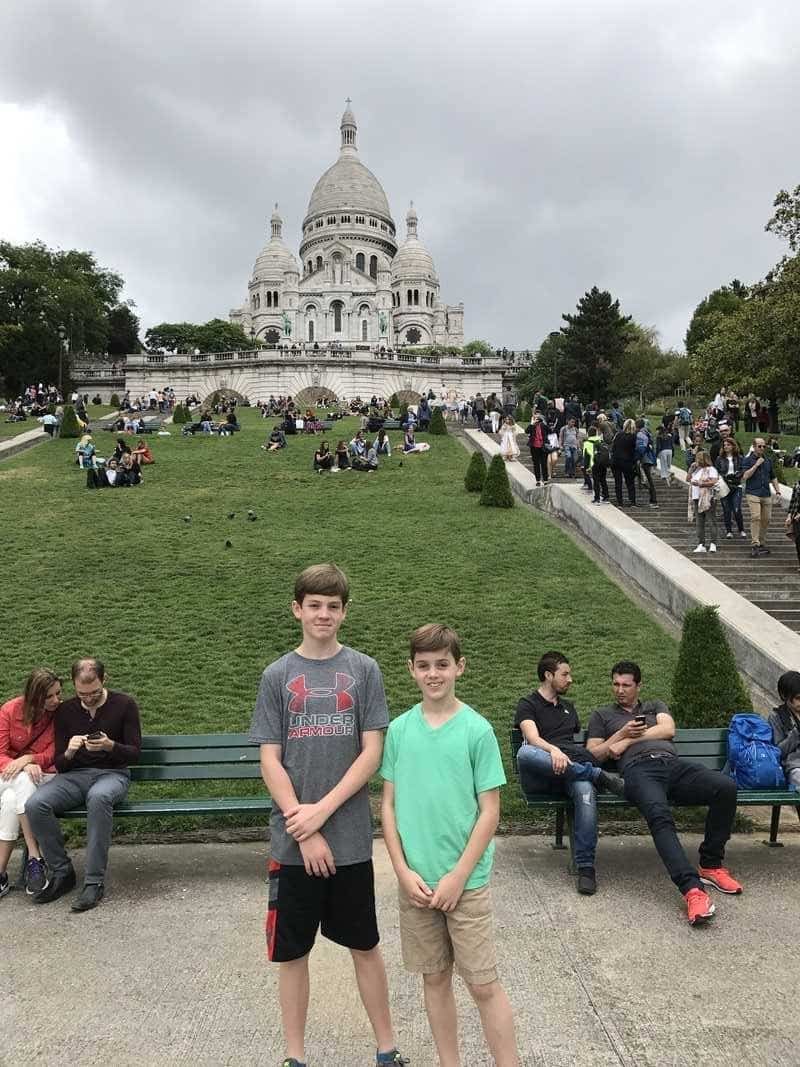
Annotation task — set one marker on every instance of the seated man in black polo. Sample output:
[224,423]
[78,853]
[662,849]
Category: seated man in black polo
[98,736]
[550,761]
[638,735]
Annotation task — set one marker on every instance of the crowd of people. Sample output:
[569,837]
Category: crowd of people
[122,469]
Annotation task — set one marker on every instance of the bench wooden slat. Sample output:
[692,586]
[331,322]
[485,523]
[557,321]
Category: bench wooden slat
[211,741]
[155,757]
[184,806]
[189,772]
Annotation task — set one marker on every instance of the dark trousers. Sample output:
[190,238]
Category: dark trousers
[732,509]
[629,475]
[600,476]
[647,470]
[539,460]
[652,784]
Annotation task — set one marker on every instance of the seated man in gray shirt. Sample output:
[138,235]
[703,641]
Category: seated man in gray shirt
[638,735]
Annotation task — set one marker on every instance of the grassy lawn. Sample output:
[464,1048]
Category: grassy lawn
[12,429]
[187,625]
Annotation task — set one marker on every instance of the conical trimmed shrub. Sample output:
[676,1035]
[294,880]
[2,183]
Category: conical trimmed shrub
[70,427]
[114,401]
[707,688]
[438,425]
[496,489]
[179,414]
[475,477]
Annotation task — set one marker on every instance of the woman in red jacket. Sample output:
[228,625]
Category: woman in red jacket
[27,742]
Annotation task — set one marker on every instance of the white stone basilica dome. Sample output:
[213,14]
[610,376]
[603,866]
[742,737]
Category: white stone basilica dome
[274,258]
[348,185]
[413,260]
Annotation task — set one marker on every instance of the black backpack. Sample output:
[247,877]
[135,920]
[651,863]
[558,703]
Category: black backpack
[602,456]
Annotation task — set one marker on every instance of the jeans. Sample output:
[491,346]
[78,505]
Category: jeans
[651,784]
[100,790]
[705,523]
[536,775]
[665,463]
[570,461]
[683,435]
[732,509]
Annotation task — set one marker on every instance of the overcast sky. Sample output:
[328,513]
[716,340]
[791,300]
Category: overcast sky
[548,147]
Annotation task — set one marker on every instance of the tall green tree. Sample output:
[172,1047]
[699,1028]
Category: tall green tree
[721,302]
[595,341]
[785,222]
[40,290]
[217,335]
[123,330]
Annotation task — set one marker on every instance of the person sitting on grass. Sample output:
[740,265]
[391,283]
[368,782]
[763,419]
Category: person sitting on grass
[381,443]
[785,723]
[27,747]
[358,446]
[276,440]
[323,458]
[85,452]
[410,442]
[342,455]
[121,449]
[439,832]
[142,453]
[128,472]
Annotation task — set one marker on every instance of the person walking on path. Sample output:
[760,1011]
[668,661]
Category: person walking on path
[759,478]
[623,462]
[792,521]
[569,441]
[536,432]
[664,446]
[638,735]
[599,457]
[729,465]
[703,477]
[646,457]
[509,449]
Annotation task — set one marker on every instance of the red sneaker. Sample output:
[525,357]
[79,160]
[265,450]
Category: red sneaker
[698,906]
[720,878]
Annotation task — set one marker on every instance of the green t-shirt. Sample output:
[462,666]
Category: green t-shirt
[437,775]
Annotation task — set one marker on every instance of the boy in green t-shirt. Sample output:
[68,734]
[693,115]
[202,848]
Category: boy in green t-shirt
[441,803]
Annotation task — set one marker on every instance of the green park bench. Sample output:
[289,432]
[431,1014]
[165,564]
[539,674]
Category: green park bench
[708,746]
[191,758]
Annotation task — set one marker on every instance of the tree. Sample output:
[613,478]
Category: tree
[475,477]
[594,344]
[723,301]
[785,222]
[114,401]
[706,689]
[478,348]
[70,427]
[180,415]
[123,330]
[42,289]
[496,491]
[438,425]
[217,335]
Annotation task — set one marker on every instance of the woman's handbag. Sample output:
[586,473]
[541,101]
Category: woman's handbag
[721,489]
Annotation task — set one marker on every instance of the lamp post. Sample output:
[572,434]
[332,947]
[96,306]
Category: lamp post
[62,333]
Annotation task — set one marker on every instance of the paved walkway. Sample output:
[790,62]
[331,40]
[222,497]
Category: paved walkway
[170,969]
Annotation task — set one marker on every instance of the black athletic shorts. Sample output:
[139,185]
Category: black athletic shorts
[299,903]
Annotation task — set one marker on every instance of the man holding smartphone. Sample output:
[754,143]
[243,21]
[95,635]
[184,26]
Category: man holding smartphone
[638,735]
[98,736]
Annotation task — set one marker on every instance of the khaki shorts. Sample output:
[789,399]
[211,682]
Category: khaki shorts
[432,940]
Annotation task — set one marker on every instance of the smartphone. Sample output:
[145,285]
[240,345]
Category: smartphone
[94,736]
[640,720]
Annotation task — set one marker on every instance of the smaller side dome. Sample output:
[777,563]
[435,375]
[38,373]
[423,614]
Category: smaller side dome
[413,260]
[275,258]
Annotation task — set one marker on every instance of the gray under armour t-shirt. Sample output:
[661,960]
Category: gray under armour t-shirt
[317,710]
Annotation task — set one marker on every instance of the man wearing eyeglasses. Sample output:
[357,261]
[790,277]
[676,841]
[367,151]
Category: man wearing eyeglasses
[758,476]
[98,736]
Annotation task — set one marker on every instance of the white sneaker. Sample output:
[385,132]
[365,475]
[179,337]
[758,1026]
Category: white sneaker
[729,534]
[743,534]
[699,550]
[712,547]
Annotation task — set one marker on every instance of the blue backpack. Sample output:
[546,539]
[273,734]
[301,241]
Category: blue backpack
[753,761]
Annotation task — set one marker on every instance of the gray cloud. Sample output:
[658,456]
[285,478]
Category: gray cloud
[547,147]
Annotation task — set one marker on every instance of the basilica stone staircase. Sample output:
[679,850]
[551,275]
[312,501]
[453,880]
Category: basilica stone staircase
[770,582]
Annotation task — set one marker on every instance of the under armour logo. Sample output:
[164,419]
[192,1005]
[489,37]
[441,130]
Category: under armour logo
[341,690]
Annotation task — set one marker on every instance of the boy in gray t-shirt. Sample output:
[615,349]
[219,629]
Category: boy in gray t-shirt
[319,718]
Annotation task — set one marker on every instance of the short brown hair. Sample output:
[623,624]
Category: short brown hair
[434,637]
[88,668]
[39,681]
[324,579]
